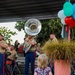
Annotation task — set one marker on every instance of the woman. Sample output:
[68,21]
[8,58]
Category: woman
[16,45]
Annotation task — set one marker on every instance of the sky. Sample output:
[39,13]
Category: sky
[11,26]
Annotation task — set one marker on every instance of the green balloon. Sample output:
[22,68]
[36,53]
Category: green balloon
[68,11]
[67,4]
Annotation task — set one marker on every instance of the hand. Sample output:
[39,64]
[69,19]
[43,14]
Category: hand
[32,43]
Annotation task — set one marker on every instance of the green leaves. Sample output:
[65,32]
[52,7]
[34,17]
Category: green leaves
[7,33]
[20,25]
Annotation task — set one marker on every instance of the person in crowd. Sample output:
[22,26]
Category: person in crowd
[24,44]
[53,38]
[38,47]
[9,45]
[3,49]
[16,45]
[12,57]
[73,67]
[42,68]
[30,54]
[38,51]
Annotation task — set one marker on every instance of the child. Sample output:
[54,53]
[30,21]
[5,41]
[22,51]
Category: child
[42,68]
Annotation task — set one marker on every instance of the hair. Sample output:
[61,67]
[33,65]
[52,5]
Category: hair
[1,35]
[42,61]
[12,46]
[24,38]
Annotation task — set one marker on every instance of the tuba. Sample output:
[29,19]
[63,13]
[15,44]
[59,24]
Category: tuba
[32,27]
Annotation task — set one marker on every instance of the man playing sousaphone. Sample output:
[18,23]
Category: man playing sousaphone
[32,28]
[30,55]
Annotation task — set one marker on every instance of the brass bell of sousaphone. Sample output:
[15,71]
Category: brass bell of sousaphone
[32,27]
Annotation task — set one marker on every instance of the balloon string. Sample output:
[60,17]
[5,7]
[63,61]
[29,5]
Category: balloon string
[68,31]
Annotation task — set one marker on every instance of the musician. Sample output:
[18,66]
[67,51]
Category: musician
[53,38]
[3,49]
[30,55]
[12,57]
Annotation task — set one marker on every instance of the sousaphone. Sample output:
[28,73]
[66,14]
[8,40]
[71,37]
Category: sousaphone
[32,27]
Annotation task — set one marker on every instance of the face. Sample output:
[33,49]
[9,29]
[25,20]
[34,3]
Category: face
[29,36]
[51,36]
[38,44]
[11,47]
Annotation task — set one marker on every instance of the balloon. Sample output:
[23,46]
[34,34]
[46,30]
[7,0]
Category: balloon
[67,4]
[73,8]
[68,11]
[61,14]
[63,21]
[67,20]
[70,21]
[74,16]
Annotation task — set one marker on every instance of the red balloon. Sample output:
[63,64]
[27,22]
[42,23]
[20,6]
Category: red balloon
[70,21]
[67,20]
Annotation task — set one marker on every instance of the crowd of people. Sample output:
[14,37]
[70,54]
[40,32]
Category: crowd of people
[31,49]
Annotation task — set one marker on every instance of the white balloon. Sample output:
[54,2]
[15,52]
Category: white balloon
[63,22]
[61,14]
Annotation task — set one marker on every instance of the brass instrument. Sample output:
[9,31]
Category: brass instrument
[33,27]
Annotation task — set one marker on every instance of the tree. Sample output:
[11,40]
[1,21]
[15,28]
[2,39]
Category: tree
[48,26]
[7,34]
[20,25]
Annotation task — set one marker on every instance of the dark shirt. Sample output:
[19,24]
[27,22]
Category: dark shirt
[16,46]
